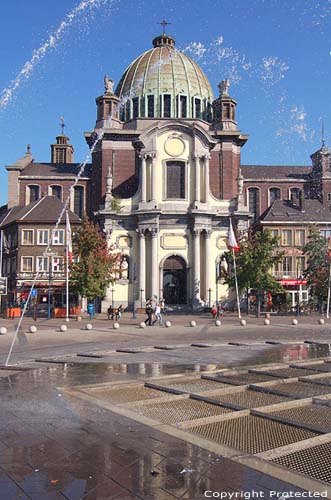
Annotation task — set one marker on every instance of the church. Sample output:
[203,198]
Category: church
[165,180]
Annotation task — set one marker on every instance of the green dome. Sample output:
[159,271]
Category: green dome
[164,83]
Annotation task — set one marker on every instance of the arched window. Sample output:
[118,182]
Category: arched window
[34,193]
[274,194]
[56,191]
[79,201]
[175,178]
[254,201]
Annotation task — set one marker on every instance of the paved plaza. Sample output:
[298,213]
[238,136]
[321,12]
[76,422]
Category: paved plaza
[166,413]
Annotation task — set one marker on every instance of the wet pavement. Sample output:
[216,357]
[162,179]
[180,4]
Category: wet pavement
[55,445]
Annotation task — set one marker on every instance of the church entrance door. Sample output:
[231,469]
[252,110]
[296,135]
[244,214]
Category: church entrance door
[175,280]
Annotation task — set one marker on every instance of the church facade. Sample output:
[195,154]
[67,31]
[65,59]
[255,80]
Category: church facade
[167,172]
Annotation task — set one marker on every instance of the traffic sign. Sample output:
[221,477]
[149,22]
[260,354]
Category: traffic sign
[34,293]
[3,286]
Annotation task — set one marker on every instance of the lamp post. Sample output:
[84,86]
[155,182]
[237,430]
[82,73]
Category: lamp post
[134,292]
[112,297]
[298,296]
[50,277]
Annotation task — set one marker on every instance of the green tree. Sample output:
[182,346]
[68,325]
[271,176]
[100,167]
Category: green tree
[318,265]
[95,265]
[254,262]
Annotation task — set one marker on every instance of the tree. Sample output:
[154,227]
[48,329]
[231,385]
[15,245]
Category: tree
[318,264]
[254,261]
[95,265]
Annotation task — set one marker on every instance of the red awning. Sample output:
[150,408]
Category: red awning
[293,282]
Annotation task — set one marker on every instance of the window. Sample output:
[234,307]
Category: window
[34,192]
[295,195]
[300,237]
[197,108]
[287,237]
[150,106]
[56,191]
[58,237]
[226,111]
[328,197]
[127,109]
[135,107]
[287,266]
[300,266]
[326,233]
[254,201]
[79,201]
[175,179]
[183,106]
[57,264]
[27,236]
[274,194]
[27,263]
[13,265]
[166,105]
[42,264]
[274,233]
[42,237]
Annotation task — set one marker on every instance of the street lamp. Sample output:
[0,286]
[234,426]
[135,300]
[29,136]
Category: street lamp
[50,277]
[134,292]
[112,297]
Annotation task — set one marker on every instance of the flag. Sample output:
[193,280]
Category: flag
[69,239]
[232,242]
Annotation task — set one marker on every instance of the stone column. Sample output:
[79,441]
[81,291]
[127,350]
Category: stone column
[154,263]
[197,179]
[196,265]
[206,162]
[143,178]
[154,177]
[207,264]
[142,260]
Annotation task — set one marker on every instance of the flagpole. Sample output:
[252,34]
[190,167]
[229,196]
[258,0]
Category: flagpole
[236,282]
[67,268]
[329,293]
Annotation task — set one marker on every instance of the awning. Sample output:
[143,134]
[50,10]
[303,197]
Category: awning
[293,282]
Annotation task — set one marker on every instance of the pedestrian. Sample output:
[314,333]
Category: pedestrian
[158,315]
[119,312]
[220,311]
[149,312]
[214,311]
[110,312]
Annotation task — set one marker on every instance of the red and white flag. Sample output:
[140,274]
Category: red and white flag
[232,242]
[69,239]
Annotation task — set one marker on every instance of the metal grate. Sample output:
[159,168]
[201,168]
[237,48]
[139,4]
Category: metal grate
[127,394]
[249,399]
[318,367]
[304,389]
[315,415]
[179,411]
[242,378]
[251,434]
[288,372]
[313,462]
[192,384]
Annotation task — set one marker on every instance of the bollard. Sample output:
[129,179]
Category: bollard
[267,321]
[32,329]
[294,322]
[63,328]
[116,325]
[88,326]
[168,324]
[243,322]
[3,330]
[320,322]
[193,323]
[142,324]
[218,323]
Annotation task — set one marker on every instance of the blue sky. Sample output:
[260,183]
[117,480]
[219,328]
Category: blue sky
[277,53]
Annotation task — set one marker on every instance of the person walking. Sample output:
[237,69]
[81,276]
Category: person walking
[220,311]
[149,312]
[214,311]
[158,315]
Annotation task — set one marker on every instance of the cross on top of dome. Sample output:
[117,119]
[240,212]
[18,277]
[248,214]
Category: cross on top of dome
[163,39]
[164,24]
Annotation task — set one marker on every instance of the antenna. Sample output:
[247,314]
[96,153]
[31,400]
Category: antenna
[164,24]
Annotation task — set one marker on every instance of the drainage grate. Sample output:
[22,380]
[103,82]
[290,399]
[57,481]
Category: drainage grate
[170,412]
[287,372]
[248,399]
[191,384]
[315,415]
[251,434]
[313,462]
[240,378]
[318,367]
[301,389]
[126,394]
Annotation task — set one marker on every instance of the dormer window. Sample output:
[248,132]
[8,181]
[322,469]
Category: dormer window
[34,192]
